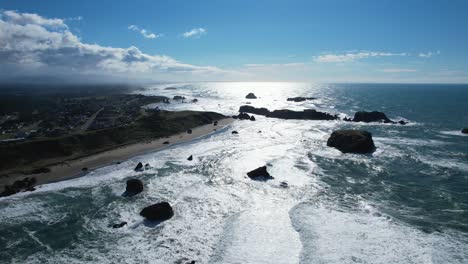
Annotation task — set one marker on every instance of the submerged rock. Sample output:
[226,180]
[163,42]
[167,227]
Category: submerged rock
[465,130]
[352,141]
[194,100]
[139,167]
[170,88]
[251,96]
[300,99]
[158,212]
[190,158]
[147,166]
[134,186]
[119,225]
[260,173]
[284,184]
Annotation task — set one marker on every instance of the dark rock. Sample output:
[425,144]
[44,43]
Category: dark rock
[235,132]
[301,99]
[235,117]
[251,96]
[84,169]
[147,166]
[243,116]
[190,158]
[352,141]
[215,123]
[259,174]
[178,97]
[170,88]
[166,142]
[284,184]
[252,118]
[139,167]
[119,225]
[373,116]
[402,122]
[40,170]
[465,130]
[191,262]
[194,100]
[253,110]
[308,114]
[158,212]
[26,184]
[189,131]
[347,119]
[134,186]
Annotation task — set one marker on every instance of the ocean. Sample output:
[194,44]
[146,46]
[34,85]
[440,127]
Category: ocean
[405,203]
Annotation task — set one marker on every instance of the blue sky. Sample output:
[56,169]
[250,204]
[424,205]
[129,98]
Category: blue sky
[323,41]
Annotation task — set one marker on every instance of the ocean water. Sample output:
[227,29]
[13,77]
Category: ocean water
[405,203]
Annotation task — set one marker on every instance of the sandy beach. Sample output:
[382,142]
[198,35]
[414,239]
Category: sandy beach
[75,167]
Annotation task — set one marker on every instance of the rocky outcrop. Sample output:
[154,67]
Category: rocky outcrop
[134,186]
[178,97]
[288,114]
[352,141]
[252,118]
[139,167]
[158,212]
[190,158]
[26,184]
[373,116]
[260,173]
[301,99]
[166,142]
[189,131]
[465,130]
[251,96]
[254,110]
[235,132]
[308,114]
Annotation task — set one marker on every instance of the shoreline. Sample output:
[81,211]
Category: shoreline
[73,168]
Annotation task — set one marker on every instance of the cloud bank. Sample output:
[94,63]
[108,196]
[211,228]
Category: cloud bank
[32,44]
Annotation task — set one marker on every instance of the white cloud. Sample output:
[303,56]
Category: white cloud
[428,54]
[353,56]
[397,70]
[31,43]
[258,65]
[195,33]
[145,33]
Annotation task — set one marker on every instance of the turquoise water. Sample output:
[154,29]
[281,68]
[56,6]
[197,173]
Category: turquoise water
[405,203]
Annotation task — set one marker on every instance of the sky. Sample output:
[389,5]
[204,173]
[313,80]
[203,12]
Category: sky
[243,40]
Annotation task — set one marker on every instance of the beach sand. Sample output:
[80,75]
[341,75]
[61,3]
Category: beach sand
[74,168]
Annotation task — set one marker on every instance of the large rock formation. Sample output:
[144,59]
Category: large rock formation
[251,96]
[134,186]
[352,141]
[158,212]
[308,114]
[465,130]
[260,173]
[300,99]
[373,116]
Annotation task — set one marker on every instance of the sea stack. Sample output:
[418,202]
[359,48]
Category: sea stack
[251,96]
[352,141]
[158,212]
